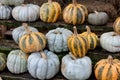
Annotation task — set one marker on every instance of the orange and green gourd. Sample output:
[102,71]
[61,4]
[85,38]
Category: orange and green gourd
[116,25]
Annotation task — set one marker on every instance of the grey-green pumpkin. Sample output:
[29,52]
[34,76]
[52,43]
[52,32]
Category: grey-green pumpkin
[3,59]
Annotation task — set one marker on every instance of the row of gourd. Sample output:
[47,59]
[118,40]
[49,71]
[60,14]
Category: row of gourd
[50,11]
[45,64]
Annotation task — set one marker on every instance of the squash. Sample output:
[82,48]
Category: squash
[50,11]
[57,39]
[26,12]
[76,68]
[3,60]
[110,41]
[5,11]
[107,69]
[17,61]
[116,25]
[43,65]
[18,32]
[92,38]
[75,13]
[98,18]
[77,44]
[32,41]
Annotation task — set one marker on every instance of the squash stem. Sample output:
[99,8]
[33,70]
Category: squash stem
[72,56]
[96,12]
[26,27]
[75,30]
[49,1]
[88,29]
[74,2]
[110,59]
[43,55]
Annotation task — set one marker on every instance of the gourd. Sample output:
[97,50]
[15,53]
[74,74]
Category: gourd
[3,60]
[43,65]
[32,41]
[116,25]
[5,11]
[75,13]
[107,69]
[98,18]
[50,11]
[76,68]
[26,12]
[18,32]
[17,62]
[92,38]
[77,44]
[110,41]
[57,39]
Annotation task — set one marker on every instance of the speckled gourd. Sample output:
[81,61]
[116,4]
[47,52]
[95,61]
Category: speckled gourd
[17,62]
[43,65]
[116,25]
[57,39]
[26,12]
[3,61]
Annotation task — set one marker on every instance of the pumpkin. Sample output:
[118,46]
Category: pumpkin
[43,65]
[76,68]
[98,18]
[75,13]
[77,44]
[26,12]
[5,11]
[17,62]
[3,59]
[32,41]
[107,69]
[18,32]
[110,41]
[92,38]
[57,39]
[116,25]
[50,11]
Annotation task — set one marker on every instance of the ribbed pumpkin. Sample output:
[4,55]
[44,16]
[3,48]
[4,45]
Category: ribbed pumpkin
[107,69]
[32,41]
[50,11]
[92,38]
[3,60]
[116,25]
[75,13]
[77,44]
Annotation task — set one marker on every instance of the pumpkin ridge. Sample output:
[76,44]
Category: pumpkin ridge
[74,17]
[56,12]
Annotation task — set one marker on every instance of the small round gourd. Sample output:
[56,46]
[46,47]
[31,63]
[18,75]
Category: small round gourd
[26,12]
[3,60]
[110,41]
[57,39]
[76,68]
[17,62]
[75,13]
[43,65]
[18,32]
[98,18]
[77,44]
[5,11]
[92,38]
[116,25]
[107,69]
[50,11]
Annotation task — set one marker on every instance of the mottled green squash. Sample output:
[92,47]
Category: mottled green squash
[3,59]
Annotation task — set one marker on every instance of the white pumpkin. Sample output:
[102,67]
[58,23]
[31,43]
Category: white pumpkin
[57,39]
[76,69]
[12,2]
[43,65]
[5,11]
[110,41]
[26,12]
[17,62]
[18,32]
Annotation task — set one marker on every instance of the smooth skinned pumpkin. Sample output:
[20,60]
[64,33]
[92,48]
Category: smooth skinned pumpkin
[43,65]
[57,39]
[116,25]
[3,61]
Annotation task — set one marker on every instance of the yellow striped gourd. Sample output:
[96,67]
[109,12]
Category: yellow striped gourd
[75,13]
[116,25]
[50,11]
[92,38]
[77,44]
[107,69]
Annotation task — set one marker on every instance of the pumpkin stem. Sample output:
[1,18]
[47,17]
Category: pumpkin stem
[110,59]
[49,1]
[74,2]
[96,12]
[43,55]
[26,27]
[22,4]
[115,34]
[75,30]
[72,56]
[88,29]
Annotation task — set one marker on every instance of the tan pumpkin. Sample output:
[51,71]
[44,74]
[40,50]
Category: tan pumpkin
[77,44]
[116,25]
[50,11]
[75,13]
[107,69]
